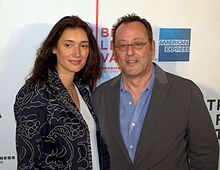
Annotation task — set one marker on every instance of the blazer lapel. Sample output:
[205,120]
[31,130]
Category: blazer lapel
[159,92]
[114,93]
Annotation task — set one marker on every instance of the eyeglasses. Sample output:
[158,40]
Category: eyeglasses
[135,45]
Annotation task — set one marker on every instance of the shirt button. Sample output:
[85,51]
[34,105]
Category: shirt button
[129,103]
[133,124]
[131,146]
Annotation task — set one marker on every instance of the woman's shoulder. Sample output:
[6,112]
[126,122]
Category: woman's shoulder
[36,89]
[30,96]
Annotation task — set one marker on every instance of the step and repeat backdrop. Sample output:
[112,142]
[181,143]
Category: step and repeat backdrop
[187,38]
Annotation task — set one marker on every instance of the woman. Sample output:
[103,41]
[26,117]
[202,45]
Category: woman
[56,126]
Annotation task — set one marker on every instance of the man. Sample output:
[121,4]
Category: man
[151,119]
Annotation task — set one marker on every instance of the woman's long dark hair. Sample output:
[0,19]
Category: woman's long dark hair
[45,57]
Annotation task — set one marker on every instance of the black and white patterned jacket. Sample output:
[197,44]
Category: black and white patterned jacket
[51,134]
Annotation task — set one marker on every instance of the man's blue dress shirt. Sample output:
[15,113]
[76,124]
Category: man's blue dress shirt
[132,116]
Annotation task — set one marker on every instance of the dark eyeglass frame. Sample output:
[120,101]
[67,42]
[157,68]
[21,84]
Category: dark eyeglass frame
[136,45]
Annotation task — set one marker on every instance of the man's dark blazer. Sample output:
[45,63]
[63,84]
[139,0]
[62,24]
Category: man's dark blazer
[177,133]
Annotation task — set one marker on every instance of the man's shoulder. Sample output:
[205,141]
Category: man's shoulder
[109,83]
[174,80]
[107,86]
[179,79]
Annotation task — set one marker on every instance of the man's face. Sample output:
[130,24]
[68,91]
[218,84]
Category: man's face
[133,62]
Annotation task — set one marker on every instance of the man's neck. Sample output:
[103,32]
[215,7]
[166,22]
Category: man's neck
[137,84]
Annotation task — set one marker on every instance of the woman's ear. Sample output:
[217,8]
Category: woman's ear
[54,51]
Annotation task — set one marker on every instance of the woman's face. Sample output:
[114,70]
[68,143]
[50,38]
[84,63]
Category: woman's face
[72,51]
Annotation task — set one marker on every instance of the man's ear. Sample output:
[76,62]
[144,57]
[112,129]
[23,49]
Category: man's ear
[152,47]
[113,52]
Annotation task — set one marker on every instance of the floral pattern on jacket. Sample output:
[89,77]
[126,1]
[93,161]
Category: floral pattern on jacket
[51,134]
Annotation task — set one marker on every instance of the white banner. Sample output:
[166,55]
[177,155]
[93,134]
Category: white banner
[25,24]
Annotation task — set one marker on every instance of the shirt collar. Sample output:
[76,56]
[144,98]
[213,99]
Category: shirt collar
[150,86]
